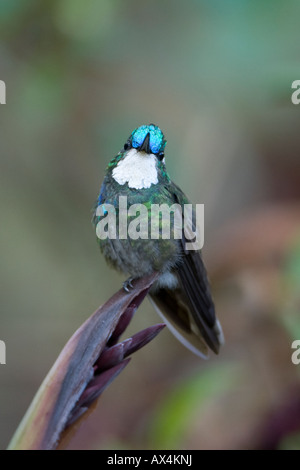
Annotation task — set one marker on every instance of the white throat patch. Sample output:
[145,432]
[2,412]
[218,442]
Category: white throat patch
[138,169]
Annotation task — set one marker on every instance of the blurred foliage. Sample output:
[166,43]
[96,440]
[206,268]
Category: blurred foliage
[175,413]
[216,77]
[291,442]
[291,307]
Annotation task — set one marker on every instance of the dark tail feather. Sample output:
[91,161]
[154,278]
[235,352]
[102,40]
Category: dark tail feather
[174,312]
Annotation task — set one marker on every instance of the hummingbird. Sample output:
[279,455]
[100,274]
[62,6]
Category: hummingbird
[181,295]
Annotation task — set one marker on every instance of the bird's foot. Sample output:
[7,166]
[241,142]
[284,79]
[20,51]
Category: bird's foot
[127,285]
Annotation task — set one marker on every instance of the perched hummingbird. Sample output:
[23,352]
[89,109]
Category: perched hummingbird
[181,295]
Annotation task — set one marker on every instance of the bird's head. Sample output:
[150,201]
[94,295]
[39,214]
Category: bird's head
[147,138]
[141,164]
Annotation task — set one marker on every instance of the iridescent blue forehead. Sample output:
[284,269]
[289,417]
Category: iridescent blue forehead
[157,141]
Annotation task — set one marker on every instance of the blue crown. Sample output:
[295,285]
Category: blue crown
[157,141]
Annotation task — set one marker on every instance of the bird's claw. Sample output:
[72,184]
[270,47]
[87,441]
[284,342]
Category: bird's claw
[127,285]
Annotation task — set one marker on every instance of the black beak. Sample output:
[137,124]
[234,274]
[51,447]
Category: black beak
[146,144]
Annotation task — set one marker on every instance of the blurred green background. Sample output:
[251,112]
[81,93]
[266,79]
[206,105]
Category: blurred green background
[216,77]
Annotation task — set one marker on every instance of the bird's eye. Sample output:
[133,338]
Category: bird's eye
[127,145]
[160,156]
